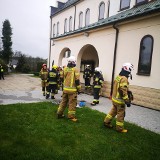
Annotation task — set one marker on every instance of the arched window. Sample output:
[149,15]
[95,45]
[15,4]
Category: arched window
[124,4]
[65,25]
[101,10]
[54,30]
[80,19]
[87,17]
[67,53]
[138,2]
[145,55]
[70,23]
[57,28]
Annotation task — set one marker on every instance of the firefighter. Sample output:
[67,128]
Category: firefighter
[97,84]
[44,76]
[87,77]
[53,82]
[60,78]
[121,96]
[2,72]
[71,86]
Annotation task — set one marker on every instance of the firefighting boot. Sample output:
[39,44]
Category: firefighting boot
[108,125]
[52,97]
[47,96]
[122,131]
[60,116]
[73,119]
[93,104]
[43,91]
[97,102]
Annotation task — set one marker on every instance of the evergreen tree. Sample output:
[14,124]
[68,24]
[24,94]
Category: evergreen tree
[7,41]
[21,63]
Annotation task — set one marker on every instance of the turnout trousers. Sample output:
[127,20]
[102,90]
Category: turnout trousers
[87,83]
[53,89]
[71,100]
[119,110]
[96,92]
[44,84]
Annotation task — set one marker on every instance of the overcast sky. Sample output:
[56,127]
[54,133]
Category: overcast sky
[30,24]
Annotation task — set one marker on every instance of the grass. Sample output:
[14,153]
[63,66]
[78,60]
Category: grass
[32,131]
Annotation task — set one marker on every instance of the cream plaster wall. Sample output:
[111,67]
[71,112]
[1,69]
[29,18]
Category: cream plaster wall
[145,88]
[103,41]
[128,49]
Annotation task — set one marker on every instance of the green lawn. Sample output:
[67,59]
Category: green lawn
[32,132]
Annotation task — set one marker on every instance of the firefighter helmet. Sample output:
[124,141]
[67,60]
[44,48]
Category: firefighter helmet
[72,59]
[87,66]
[128,67]
[54,66]
[44,65]
[97,69]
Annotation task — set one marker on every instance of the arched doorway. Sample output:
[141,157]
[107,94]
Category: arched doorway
[87,56]
[65,53]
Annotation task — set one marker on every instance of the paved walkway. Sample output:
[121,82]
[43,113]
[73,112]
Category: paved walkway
[21,88]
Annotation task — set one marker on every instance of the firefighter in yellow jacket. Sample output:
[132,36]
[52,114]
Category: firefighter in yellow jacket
[44,76]
[120,98]
[71,86]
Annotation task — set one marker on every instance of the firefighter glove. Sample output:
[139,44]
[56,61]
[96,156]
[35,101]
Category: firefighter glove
[130,95]
[128,104]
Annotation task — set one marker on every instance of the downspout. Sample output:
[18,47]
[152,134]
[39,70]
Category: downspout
[108,8]
[74,17]
[50,41]
[114,57]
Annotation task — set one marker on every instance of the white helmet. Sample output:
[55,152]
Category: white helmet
[87,66]
[72,59]
[128,67]
[97,69]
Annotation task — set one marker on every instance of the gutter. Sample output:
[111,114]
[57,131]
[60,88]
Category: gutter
[50,42]
[114,57]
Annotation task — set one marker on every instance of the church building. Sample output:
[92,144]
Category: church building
[106,34]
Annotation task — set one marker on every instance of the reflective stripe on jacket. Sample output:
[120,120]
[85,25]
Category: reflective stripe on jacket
[98,80]
[87,73]
[53,77]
